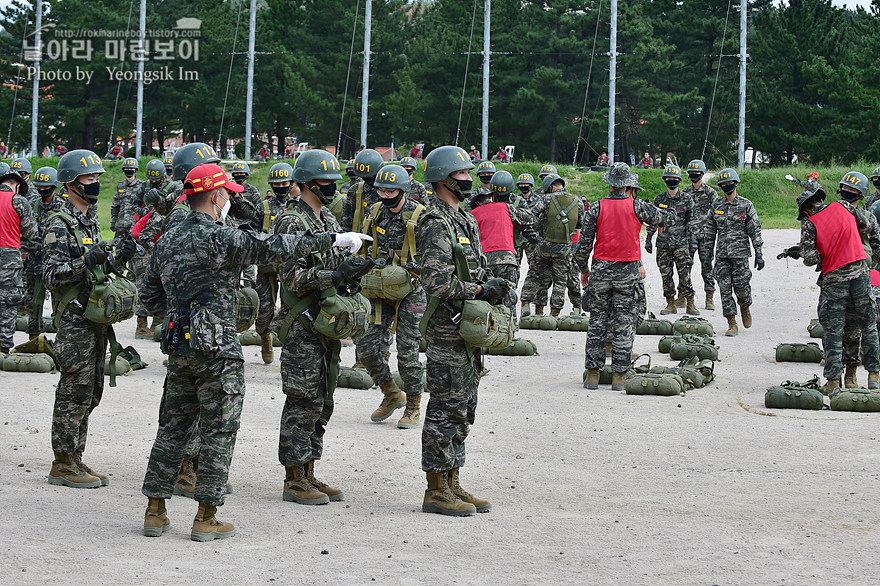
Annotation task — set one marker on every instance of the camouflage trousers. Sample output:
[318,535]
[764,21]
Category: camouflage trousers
[138,266]
[369,346]
[612,317]
[11,288]
[35,299]
[546,270]
[267,290]
[704,249]
[452,381]
[669,259]
[80,355]
[304,418]
[203,398]
[833,303]
[510,273]
[733,276]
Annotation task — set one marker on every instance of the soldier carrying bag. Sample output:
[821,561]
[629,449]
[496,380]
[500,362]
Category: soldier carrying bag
[562,218]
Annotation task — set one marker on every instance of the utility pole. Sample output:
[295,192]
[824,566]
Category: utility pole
[142,36]
[612,81]
[743,55]
[365,98]
[487,16]
[35,107]
[249,108]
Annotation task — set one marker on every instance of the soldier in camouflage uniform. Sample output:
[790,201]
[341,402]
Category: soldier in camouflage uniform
[702,195]
[542,174]
[485,171]
[46,182]
[361,196]
[733,222]
[845,280]
[392,225]
[80,345]
[453,367]
[875,195]
[169,167]
[677,244]
[352,178]
[417,191]
[128,199]
[240,173]
[23,167]
[17,227]
[610,233]
[194,272]
[551,262]
[307,357]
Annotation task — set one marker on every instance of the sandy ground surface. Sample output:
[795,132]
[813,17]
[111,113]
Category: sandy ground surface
[587,486]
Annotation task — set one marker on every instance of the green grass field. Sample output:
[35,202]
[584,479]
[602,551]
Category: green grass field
[773,195]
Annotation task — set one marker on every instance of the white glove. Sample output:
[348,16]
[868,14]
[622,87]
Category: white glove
[789,177]
[351,240]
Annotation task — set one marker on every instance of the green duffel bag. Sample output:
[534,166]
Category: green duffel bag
[654,327]
[484,325]
[354,378]
[666,342]
[39,345]
[810,352]
[789,395]
[706,368]
[690,375]
[27,362]
[252,338]
[390,282]
[573,322]
[538,322]
[111,301]
[122,366]
[703,350]
[520,347]
[130,355]
[606,374]
[21,323]
[246,307]
[664,385]
[861,400]
[693,325]
[815,328]
[342,316]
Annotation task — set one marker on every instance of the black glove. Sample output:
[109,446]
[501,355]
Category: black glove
[126,250]
[692,245]
[352,268]
[113,227]
[649,246]
[494,289]
[95,256]
[759,261]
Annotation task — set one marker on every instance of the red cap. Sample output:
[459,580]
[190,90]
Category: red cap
[813,174]
[206,177]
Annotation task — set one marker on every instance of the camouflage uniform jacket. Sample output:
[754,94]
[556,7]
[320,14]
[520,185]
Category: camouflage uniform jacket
[541,211]
[276,207]
[369,198]
[735,223]
[390,231]
[10,258]
[871,200]
[686,226]
[41,217]
[702,197]
[612,270]
[534,201]
[63,264]
[347,185]
[252,195]
[32,193]
[439,277]
[198,265]
[417,191]
[127,201]
[867,225]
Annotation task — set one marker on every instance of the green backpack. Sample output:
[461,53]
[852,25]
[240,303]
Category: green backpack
[573,322]
[815,328]
[520,347]
[664,385]
[538,322]
[353,378]
[861,400]
[795,395]
[484,325]
[130,355]
[654,327]
[562,217]
[705,367]
[690,375]
[28,362]
[692,345]
[693,325]
[342,316]
[810,352]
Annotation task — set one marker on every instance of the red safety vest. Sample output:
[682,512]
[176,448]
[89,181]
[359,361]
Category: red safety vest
[837,237]
[496,227]
[10,222]
[617,231]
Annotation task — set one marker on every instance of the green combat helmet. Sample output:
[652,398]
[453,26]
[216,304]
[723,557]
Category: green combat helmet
[78,162]
[4,168]
[168,162]
[502,182]
[672,171]
[280,172]
[130,163]
[21,166]
[46,177]
[190,156]
[696,166]
[486,167]
[317,164]
[525,178]
[547,170]
[443,161]
[392,177]
[409,162]
[857,180]
[240,167]
[550,180]
[620,176]
[809,198]
[367,163]
[155,170]
[727,175]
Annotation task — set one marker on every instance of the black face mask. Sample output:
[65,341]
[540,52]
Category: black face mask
[391,202]
[695,177]
[46,192]
[525,188]
[351,174]
[370,180]
[168,171]
[157,184]
[728,188]
[460,187]
[240,179]
[325,192]
[876,182]
[281,192]
[128,172]
[485,178]
[672,183]
[90,192]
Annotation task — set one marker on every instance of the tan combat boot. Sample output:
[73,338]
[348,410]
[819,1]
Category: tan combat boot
[186,480]
[681,301]
[670,306]
[206,527]
[155,519]
[412,412]
[874,380]
[691,306]
[525,309]
[142,332]
[393,398]
[747,316]
[298,489]
[710,303]
[850,379]
[440,499]
[482,505]
[66,472]
[267,352]
[831,385]
[554,311]
[77,457]
[591,381]
[539,309]
[618,381]
[334,494]
[732,328]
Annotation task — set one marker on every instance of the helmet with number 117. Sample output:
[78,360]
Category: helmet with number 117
[190,156]
[314,165]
